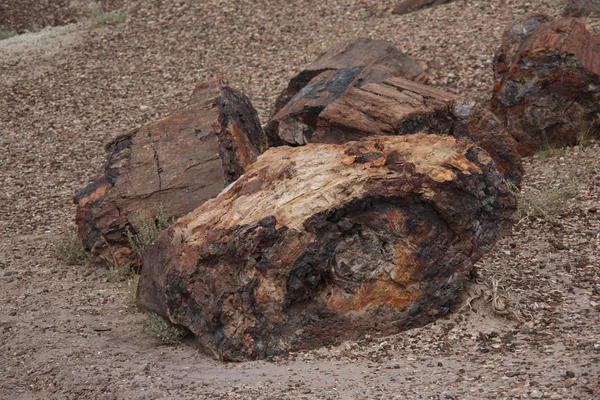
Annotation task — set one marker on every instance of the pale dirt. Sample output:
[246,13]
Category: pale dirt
[66,91]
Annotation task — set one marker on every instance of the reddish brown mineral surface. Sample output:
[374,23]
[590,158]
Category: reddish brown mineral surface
[548,83]
[178,162]
[323,243]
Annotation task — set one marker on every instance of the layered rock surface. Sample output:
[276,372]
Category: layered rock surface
[323,243]
[547,86]
[343,66]
[397,106]
[178,162]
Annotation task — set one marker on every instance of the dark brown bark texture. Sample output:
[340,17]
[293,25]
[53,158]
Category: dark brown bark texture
[408,6]
[548,83]
[343,66]
[581,8]
[396,106]
[178,162]
[319,244]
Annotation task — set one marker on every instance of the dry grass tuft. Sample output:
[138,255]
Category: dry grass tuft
[6,34]
[100,18]
[146,228]
[69,248]
[165,332]
[548,202]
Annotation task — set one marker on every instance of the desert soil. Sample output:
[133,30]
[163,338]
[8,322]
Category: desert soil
[67,332]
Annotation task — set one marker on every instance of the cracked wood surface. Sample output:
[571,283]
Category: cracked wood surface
[548,83]
[178,162]
[323,243]
[398,106]
[343,66]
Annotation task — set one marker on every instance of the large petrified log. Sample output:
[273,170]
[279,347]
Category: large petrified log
[581,8]
[397,106]
[408,6]
[342,66]
[178,162]
[548,83]
[318,244]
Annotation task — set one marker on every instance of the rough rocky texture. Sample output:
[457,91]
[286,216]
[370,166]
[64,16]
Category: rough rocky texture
[408,6]
[548,83]
[581,8]
[178,162]
[324,243]
[342,67]
[398,107]
[61,102]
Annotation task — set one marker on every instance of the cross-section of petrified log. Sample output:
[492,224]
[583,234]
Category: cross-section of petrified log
[408,6]
[318,244]
[179,162]
[398,106]
[548,83]
[342,66]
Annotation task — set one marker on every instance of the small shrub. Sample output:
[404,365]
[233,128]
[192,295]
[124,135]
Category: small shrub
[132,284]
[551,152]
[165,332]
[147,227]
[69,248]
[119,274]
[100,18]
[548,202]
[584,136]
[6,34]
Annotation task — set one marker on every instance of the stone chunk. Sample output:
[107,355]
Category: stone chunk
[319,244]
[178,162]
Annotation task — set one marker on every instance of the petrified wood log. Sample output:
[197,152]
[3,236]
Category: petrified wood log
[179,162]
[398,107]
[342,66]
[581,8]
[547,83]
[323,243]
[408,6]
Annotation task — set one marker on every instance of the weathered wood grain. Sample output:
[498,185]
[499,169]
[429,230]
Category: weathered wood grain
[178,162]
[323,243]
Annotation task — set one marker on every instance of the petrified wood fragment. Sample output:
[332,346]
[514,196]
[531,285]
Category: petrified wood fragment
[399,106]
[179,162]
[343,66]
[408,6]
[547,86]
[323,243]
[581,8]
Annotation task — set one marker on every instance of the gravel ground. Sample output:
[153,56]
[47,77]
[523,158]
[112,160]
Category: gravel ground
[67,332]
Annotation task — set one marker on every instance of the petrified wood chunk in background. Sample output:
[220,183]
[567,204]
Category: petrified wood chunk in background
[408,6]
[342,66]
[581,8]
[400,107]
[318,244]
[547,86]
[179,162]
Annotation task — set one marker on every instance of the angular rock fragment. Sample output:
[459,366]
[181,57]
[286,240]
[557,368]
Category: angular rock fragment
[319,244]
[581,8]
[343,66]
[547,86]
[178,162]
[398,106]
[408,6]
